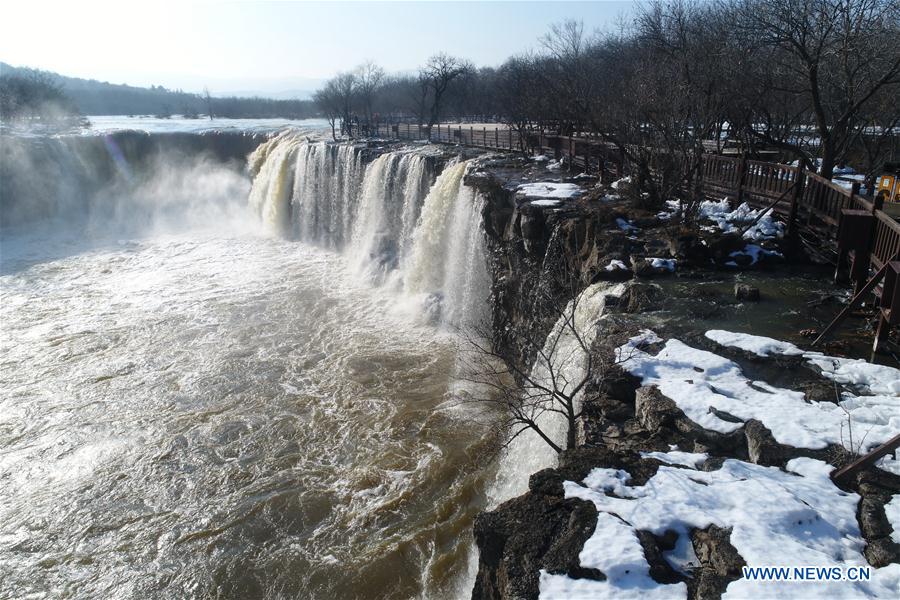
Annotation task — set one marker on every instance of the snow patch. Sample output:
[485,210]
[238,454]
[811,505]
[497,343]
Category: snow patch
[793,518]
[676,457]
[757,344]
[619,555]
[754,252]
[616,265]
[698,381]
[626,226]
[672,208]
[549,189]
[876,379]
[892,510]
[667,264]
[620,183]
[731,221]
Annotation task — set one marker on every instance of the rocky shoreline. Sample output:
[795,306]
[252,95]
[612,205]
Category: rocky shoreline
[631,427]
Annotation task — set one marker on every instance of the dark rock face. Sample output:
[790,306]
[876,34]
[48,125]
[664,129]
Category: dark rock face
[877,488]
[539,530]
[714,550]
[690,247]
[530,250]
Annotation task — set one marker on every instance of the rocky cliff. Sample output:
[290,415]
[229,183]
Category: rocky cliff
[540,255]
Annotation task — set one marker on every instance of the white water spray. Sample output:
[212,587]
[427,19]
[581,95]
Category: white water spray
[394,226]
[528,453]
[447,257]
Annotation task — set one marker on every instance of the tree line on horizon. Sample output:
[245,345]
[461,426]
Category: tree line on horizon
[33,95]
[811,78]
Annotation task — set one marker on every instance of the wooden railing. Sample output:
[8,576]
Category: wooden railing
[804,198]
[886,243]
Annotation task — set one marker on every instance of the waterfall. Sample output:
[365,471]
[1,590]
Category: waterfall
[116,181]
[271,194]
[446,263]
[528,453]
[394,226]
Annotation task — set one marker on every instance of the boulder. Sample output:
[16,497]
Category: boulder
[762,447]
[882,552]
[654,410]
[529,533]
[641,297]
[714,550]
[652,267]
[746,293]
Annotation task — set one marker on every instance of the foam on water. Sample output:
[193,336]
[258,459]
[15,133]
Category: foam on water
[207,409]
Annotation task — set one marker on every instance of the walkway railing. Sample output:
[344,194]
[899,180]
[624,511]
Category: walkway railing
[802,197]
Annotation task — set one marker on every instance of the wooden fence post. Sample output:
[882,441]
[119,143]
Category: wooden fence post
[742,175]
[862,256]
[799,181]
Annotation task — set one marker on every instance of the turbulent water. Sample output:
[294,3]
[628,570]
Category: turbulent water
[192,406]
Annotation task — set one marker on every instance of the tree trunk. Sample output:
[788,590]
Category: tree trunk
[828,157]
[570,434]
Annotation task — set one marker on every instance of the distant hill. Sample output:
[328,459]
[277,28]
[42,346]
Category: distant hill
[93,97]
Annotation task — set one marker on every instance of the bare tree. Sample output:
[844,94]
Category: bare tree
[436,77]
[336,99]
[208,99]
[369,78]
[34,96]
[330,102]
[835,55]
[565,365]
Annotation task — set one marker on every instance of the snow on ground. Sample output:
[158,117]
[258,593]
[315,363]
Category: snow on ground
[889,464]
[676,457]
[793,518]
[756,344]
[549,189]
[662,263]
[838,170]
[754,252]
[846,181]
[620,183]
[892,510]
[877,379]
[626,226]
[616,551]
[615,265]
[697,380]
[730,221]
[548,203]
[672,208]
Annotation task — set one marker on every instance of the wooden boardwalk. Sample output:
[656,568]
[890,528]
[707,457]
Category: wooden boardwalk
[804,199]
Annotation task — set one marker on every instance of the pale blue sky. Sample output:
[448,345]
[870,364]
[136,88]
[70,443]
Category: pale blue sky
[272,46]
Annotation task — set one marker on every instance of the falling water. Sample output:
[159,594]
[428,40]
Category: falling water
[389,205]
[447,261]
[528,453]
[209,410]
[394,226]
